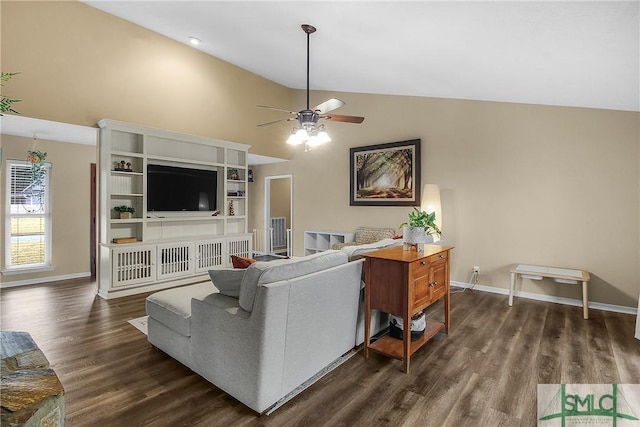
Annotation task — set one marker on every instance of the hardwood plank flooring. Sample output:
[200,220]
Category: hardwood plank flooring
[484,373]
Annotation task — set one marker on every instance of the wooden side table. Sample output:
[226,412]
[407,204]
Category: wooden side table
[403,283]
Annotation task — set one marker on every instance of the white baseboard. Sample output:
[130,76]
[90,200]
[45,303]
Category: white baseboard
[549,298]
[39,280]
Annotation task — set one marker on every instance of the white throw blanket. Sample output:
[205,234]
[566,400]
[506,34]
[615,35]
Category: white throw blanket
[354,251]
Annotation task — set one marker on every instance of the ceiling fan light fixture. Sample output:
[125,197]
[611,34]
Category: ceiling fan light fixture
[314,141]
[293,138]
[308,130]
[323,136]
[317,137]
[302,135]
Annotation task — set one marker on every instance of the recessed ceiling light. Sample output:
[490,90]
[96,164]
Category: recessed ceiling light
[194,40]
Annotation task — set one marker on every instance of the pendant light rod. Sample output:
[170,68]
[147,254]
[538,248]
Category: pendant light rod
[309,29]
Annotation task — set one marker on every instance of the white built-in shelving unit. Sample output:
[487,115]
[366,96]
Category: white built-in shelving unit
[319,241]
[170,248]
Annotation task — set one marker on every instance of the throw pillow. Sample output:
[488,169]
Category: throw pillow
[240,262]
[227,281]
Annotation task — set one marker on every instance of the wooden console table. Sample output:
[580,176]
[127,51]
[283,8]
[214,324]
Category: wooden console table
[403,283]
[560,275]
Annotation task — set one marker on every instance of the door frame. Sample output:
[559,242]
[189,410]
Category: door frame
[93,229]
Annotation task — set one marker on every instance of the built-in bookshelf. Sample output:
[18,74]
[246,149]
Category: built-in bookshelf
[165,249]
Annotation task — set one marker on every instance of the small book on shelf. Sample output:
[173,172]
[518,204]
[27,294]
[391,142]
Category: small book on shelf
[125,240]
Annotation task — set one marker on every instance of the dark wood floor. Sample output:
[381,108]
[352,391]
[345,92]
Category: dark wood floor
[484,373]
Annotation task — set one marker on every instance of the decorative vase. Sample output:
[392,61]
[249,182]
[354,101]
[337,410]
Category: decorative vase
[415,238]
[125,215]
[413,234]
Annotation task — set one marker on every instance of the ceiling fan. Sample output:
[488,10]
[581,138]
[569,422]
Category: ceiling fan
[308,130]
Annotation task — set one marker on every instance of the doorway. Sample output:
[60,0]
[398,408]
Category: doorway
[278,212]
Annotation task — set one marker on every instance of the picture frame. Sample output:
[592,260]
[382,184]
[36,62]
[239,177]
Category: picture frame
[385,174]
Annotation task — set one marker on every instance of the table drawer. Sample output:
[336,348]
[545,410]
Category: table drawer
[420,268]
[439,257]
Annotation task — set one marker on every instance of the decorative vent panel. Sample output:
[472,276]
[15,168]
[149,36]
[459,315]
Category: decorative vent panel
[240,246]
[133,266]
[174,259]
[209,255]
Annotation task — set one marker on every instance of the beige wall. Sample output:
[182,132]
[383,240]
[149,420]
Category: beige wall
[520,183]
[79,65]
[70,203]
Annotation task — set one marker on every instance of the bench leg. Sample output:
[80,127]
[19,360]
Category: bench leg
[585,300]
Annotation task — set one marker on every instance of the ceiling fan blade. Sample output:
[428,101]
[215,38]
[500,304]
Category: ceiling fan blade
[276,121]
[341,118]
[277,109]
[328,105]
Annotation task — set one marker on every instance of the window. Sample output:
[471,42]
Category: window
[28,218]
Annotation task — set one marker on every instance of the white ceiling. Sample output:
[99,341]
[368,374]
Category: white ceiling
[29,127]
[571,53]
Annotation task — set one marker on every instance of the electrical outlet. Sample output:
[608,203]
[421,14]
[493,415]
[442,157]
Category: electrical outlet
[476,269]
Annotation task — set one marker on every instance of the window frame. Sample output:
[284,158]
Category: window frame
[46,265]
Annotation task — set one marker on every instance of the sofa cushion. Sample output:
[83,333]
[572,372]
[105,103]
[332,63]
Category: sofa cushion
[227,281]
[240,262]
[365,235]
[260,273]
[172,307]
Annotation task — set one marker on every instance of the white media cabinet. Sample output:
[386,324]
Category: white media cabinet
[167,248]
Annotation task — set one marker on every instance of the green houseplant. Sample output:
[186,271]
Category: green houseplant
[6,103]
[124,211]
[420,225]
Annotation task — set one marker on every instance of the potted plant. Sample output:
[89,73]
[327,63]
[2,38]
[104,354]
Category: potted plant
[124,211]
[420,227]
[6,103]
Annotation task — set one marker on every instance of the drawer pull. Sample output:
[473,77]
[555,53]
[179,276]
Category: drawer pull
[423,263]
[441,256]
[433,284]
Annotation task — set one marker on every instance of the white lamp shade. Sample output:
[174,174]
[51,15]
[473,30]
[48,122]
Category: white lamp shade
[323,136]
[431,202]
[293,139]
[302,135]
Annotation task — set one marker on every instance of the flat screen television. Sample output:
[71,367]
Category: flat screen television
[171,188]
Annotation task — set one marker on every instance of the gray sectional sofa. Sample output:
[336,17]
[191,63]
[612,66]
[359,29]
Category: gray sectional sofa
[266,329]
[259,333]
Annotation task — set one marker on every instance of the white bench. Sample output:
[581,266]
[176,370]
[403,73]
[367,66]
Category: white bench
[559,275]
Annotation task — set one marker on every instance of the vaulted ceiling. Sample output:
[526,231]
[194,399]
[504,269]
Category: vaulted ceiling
[573,53]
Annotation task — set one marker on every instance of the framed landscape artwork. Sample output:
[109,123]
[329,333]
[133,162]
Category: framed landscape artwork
[385,174]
